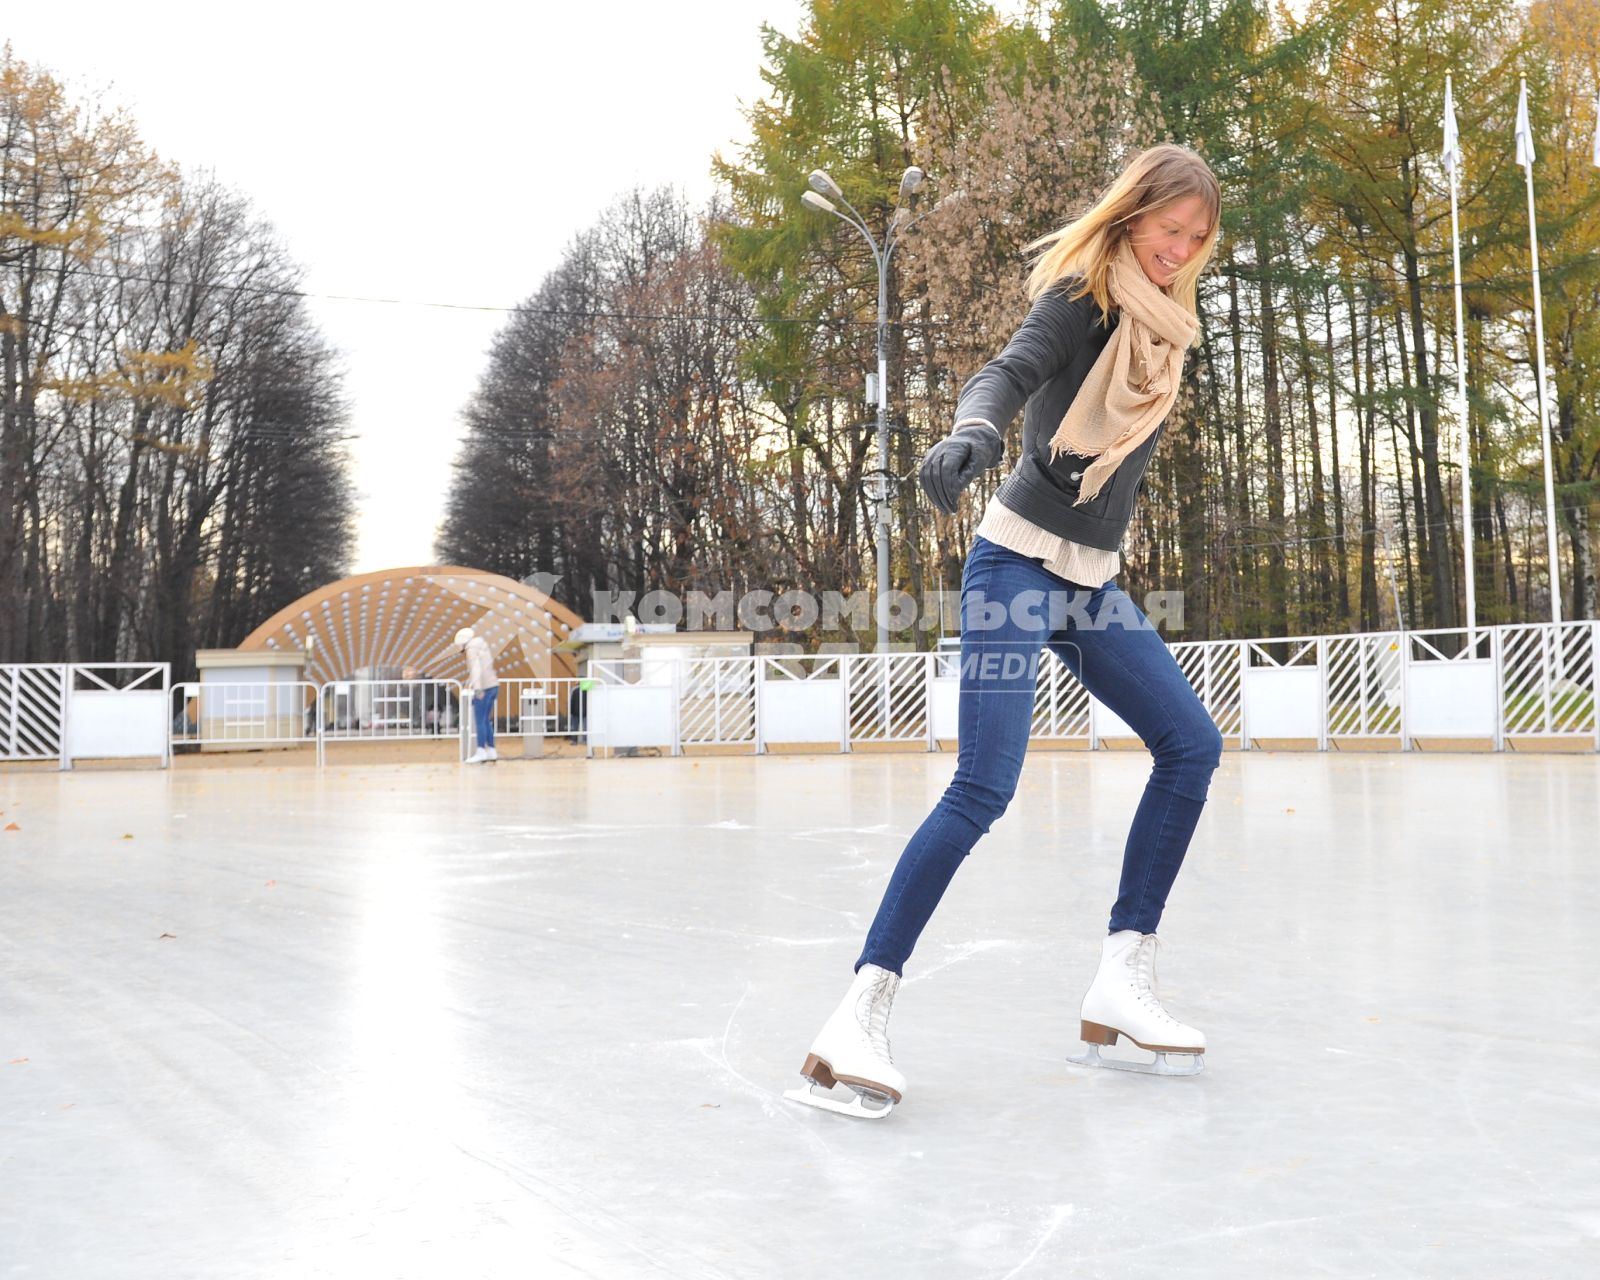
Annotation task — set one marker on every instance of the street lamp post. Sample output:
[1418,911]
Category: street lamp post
[824,191]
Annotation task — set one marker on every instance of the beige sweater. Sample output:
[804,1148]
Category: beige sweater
[481,674]
[1086,566]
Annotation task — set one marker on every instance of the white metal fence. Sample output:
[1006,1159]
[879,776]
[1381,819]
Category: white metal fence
[237,715]
[243,714]
[66,711]
[1507,687]
[541,708]
[354,711]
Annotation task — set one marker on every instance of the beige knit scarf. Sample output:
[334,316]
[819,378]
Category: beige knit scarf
[1134,380]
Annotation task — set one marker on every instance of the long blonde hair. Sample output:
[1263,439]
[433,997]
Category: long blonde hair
[1154,179]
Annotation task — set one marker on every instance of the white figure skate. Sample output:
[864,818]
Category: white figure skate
[480,756]
[1122,1001]
[852,1049]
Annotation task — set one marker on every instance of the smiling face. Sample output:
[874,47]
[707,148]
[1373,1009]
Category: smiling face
[1164,239]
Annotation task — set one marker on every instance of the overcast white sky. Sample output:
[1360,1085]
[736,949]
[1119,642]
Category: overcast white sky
[442,154]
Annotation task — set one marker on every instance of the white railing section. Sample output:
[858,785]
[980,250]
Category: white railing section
[542,707]
[391,710]
[243,714]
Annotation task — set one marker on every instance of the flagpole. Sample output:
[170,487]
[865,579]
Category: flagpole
[1523,131]
[1468,575]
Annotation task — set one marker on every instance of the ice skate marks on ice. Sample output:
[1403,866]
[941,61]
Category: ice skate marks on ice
[868,1103]
[1167,1062]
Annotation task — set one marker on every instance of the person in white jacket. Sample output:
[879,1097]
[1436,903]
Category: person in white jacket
[483,687]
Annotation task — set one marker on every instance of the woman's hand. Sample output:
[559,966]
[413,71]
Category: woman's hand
[952,464]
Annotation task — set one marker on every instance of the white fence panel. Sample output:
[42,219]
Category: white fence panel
[1281,690]
[887,694]
[1451,699]
[1547,680]
[32,704]
[388,710]
[632,716]
[717,702]
[634,704]
[1283,702]
[1450,685]
[243,713]
[1364,683]
[540,707]
[801,699]
[116,711]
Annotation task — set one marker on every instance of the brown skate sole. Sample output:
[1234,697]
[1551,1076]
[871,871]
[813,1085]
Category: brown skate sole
[820,1072]
[1094,1033]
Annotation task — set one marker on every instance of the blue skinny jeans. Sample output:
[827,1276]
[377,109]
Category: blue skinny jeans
[1011,608]
[483,715]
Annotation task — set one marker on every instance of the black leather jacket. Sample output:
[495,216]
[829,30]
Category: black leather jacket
[1043,365]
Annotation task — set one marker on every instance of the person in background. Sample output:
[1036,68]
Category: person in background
[483,687]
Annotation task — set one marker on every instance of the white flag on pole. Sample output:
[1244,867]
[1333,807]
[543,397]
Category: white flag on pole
[1452,139]
[1524,131]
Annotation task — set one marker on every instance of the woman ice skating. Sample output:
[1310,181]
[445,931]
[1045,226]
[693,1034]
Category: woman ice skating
[1098,361]
[483,687]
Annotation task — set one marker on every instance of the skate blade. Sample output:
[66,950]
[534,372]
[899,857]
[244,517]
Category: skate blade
[862,1105]
[1165,1064]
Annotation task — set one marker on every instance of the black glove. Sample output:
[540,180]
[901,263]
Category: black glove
[952,464]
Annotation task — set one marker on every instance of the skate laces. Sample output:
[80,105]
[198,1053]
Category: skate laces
[876,1024]
[1143,964]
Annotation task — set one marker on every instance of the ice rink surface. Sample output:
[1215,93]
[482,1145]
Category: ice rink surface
[535,1019]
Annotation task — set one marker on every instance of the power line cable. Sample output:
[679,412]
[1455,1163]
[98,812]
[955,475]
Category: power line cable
[1502,283]
[515,309]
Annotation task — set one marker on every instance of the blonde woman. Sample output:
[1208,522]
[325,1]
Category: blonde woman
[1097,364]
